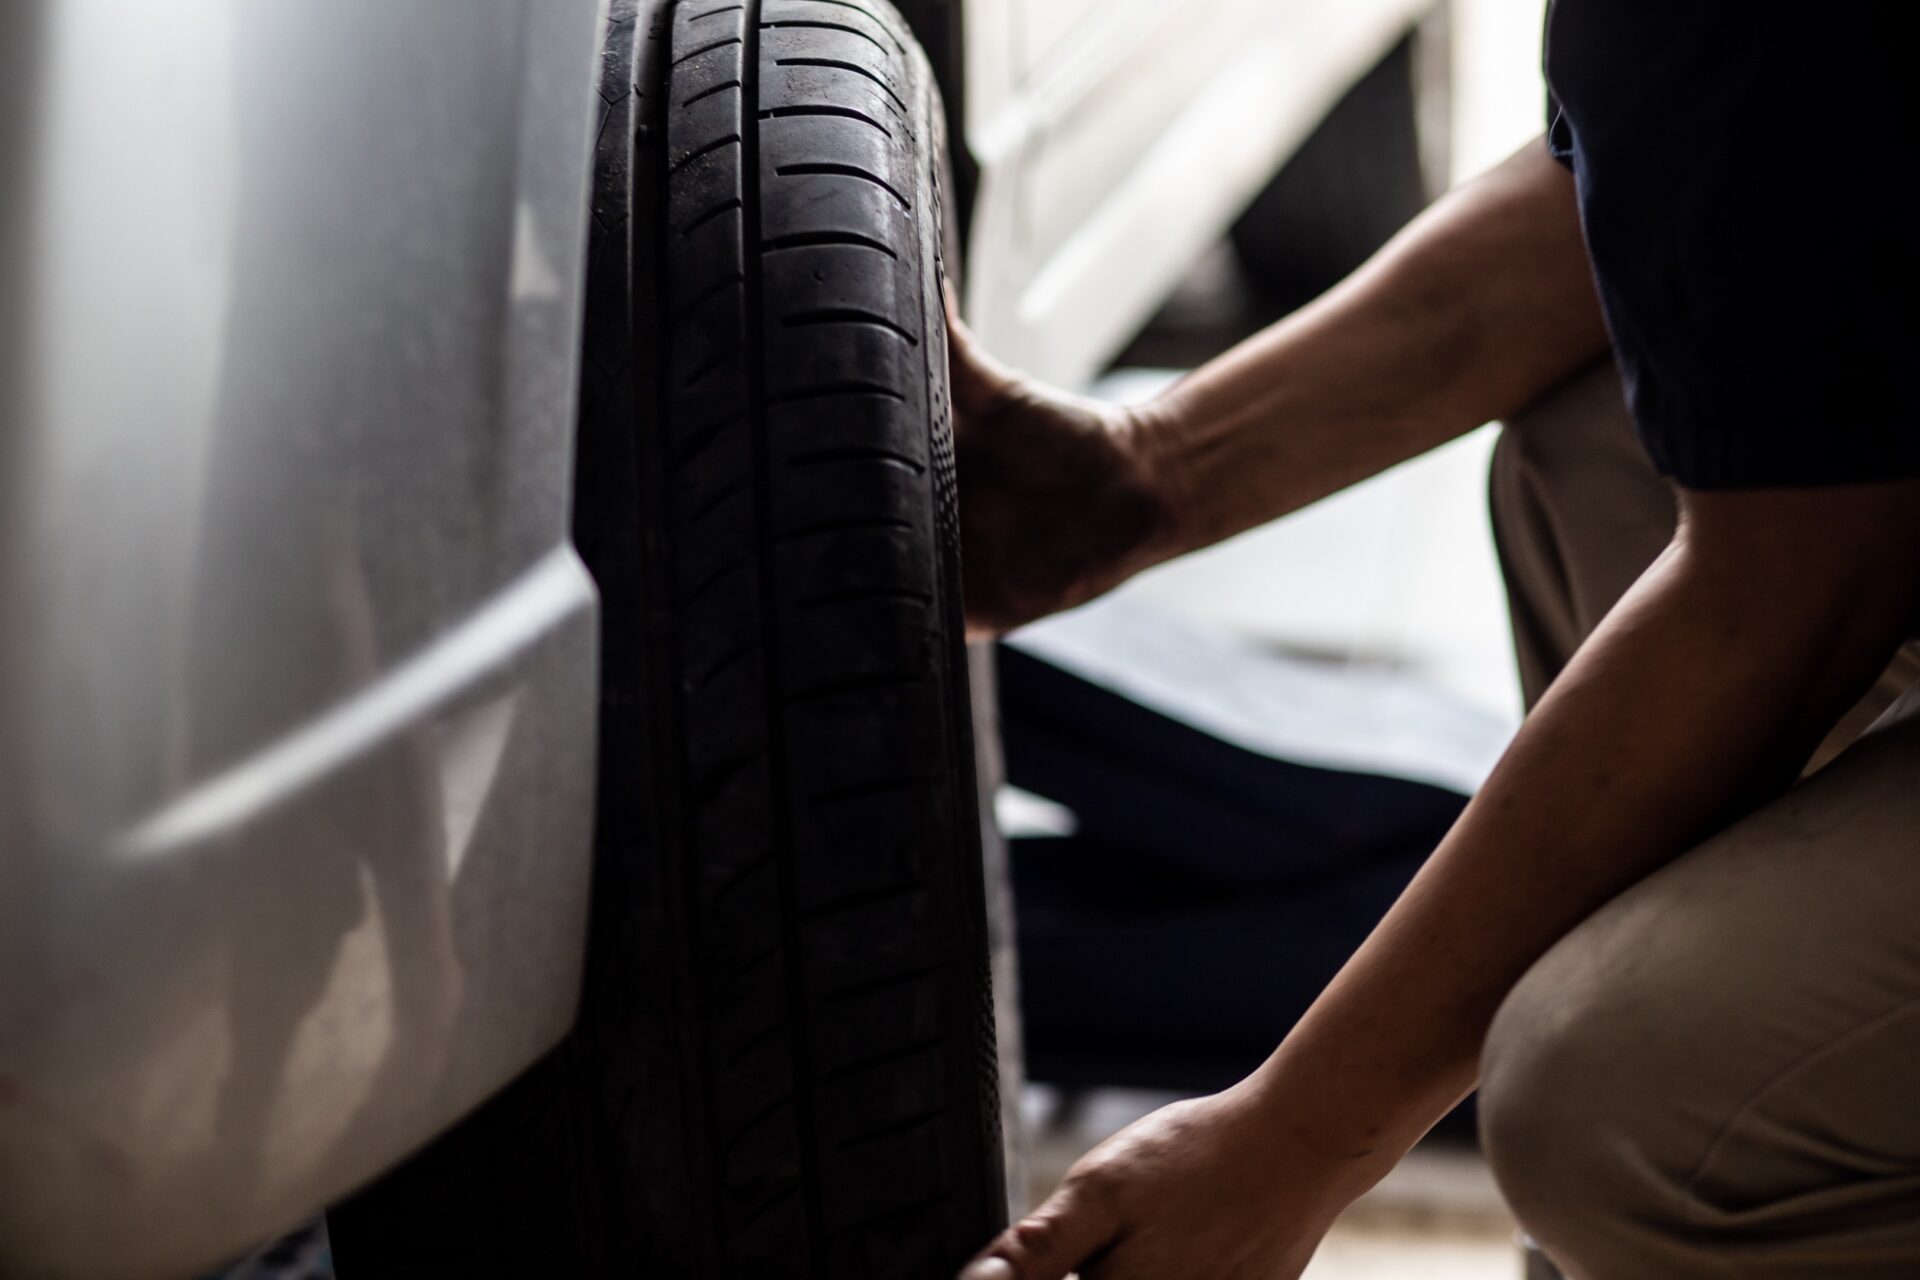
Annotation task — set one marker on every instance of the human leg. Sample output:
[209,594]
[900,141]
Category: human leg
[1713,1075]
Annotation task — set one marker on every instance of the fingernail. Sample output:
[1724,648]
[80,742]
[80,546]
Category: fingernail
[989,1269]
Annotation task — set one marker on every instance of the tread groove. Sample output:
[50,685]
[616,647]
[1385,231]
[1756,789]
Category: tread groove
[716,780]
[714,578]
[706,678]
[706,48]
[867,898]
[705,148]
[863,595]
[866,13]
[742,970]
[768,1205]
[722,87]
[701,437]
[840,65]
[859,684]
[719,210]
[844,171]
[848,388]
[841,113]
[849,524]
[739,1055]
[714,13]
[719,286]
[880,1132]
[887,456]
[815,239]
[867,1223]
[847,315]
[818,24]
[732,490]
[882,1059]
[861,790]
[706,367]
[786,850]
[867,988]
[715,897]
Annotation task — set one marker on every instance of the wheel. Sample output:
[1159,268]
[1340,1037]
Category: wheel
[784,1059]
[1358,179]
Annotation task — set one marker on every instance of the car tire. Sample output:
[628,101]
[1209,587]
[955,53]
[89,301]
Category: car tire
[1356,180]
[783,1064]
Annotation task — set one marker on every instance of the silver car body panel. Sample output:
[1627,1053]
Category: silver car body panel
[1118,139]
[297,663]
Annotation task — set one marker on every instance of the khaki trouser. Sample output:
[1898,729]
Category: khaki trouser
[1718,1073]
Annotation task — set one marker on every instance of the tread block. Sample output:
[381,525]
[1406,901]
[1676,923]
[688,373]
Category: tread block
[853,1061]
[853,76]
[879,843]
[881,493]
[889,935]
[867,17]
[727,704]
[859,426]
[842,145]
[872,561]
[808,364]
[738,816]
[860,640]
[805,210]
[715,584]
[707,342]
[828,284]
[722,463]
[845,750]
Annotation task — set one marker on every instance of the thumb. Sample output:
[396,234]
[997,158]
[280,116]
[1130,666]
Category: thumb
[1073,1227]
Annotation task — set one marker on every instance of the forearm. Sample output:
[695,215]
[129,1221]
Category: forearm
[1703,691]
[1479,305]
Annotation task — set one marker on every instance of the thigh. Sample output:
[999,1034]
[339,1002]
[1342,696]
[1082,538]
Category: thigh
[1578,513]
[1723,1058]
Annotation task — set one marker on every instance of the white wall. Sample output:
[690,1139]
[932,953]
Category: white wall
[1400,569]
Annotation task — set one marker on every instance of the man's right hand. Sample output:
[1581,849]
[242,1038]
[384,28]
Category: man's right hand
[1473,310]
[1060,497]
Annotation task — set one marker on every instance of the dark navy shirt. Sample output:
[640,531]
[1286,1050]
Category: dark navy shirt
[1747,180]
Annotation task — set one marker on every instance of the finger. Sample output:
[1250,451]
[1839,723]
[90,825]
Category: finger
[1072,1227]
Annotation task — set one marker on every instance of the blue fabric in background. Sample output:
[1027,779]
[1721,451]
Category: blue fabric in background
[1207,894]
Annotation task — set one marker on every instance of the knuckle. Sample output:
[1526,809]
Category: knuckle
[1037,1234]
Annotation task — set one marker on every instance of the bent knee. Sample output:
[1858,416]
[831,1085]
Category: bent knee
[1581,1120]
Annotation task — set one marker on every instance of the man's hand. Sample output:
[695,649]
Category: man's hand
[1206,1188]
[1058,498]
[1479,305]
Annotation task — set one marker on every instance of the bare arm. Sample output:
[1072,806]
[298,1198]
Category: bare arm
[1475,308]
[1703,691]
[1481,304]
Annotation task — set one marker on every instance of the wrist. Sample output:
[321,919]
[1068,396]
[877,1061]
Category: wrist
[1152,434]
[1337,1151]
